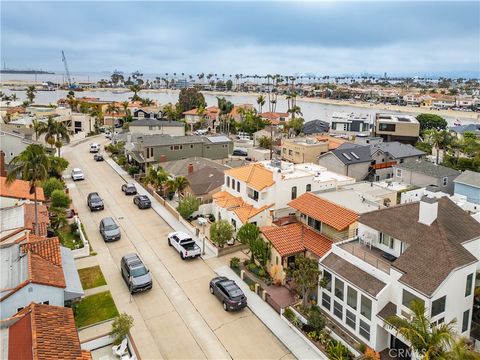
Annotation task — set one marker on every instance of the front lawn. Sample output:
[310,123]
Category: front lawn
[91,277]
[94,309]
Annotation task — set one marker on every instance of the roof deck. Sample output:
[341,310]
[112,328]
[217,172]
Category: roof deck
[370,255]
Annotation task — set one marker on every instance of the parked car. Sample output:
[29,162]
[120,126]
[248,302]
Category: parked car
[228,292]
[98,157]
[142,201]
[200,132]
[95,202]
[109,230]
[184,244]
[135,273]
[77,174]
[94,148]
[239,152]
[129,189]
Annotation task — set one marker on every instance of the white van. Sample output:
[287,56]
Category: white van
[94,148]
[201,132]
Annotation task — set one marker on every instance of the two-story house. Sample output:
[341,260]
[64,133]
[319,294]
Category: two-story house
[397,127]
[18,192]
[271,185]
[39,270]
[427,251]
[149,126]
[350,123]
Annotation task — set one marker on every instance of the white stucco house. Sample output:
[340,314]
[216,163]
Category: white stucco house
[427,250]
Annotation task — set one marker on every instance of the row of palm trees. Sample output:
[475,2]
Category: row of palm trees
[56,132]
[35,166]
[444,140]
[163,182]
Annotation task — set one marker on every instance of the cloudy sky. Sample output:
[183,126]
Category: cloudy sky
[407,38]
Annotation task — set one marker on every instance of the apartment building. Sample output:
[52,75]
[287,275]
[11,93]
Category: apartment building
[427,251]
[397,127]
[303,150]
[261,191]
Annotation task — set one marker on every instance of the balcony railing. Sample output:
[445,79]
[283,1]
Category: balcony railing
[371,256]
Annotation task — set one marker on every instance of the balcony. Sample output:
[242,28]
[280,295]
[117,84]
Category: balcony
[370,255]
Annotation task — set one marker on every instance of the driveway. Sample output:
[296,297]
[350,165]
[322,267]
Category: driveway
[178,318]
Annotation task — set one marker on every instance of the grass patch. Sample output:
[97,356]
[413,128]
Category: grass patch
[92,253]
[69,239]
[94,309]
[91,277]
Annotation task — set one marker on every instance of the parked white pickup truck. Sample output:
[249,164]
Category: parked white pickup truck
[184,245]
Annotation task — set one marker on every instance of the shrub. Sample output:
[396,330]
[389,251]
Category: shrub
[337,351]
[188,205]
[132,170]
[251,267]
[51,185]
[261,273]
[121,160]
[288,313]
[120,327]
[252,287]
[60,199]
[220,232]
[316,320]
[234,262]
[312,335]
[73,227]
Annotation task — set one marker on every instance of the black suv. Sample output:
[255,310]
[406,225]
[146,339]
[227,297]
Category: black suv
[135,273]
[95,202]
[98,157]
[228,292]
[142,201]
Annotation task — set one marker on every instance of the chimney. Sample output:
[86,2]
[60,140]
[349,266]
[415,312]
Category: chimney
[428,210]
[3,171]
[163,158]
[190,168]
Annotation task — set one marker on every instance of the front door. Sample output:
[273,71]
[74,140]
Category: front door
[399,350]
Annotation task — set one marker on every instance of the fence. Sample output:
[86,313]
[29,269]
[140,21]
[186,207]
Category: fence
[85,250]
[273,303]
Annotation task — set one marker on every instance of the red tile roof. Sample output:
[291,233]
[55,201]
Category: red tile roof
[273,115]
[255,175]
[325,211]
[296,238]
[43,219]
[19,189]
[45,332]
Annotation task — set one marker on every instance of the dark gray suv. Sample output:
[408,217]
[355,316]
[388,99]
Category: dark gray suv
[109,229]
[135,273]
[228,292]
[95,202]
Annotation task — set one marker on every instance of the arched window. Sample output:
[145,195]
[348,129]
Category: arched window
[238,186]
[294,192]
[233,184]
[308,188]
[228,181]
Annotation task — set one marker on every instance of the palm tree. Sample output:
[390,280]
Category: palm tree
[430,342]
[37,126]
[113,109]
[170,112]
[98,115]
[181,183]
[31,90]
[135,89]
[201,113]
[438,139]
[260,102]
[50,130]
[73,103]
[32,165]
[295,110]
[461,350]
[62,134]
[147,102]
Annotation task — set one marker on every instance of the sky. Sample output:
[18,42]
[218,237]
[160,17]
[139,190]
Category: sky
[249,37]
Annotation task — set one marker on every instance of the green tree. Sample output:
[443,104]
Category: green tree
[57,165]
[32,165]
[265,142]
[190,98]
[461,350]
[31,91]
[295,125]
[305,274]
[430,342]
[171,112]
[316,319]
[294,111]
[50,130]
[247,234]
[229,85]
[260,102]
[181,183]
[439,139]
[62,134]
[431,121]
[135,89]
[121,326]
[60,199]
[260,250]
[226,108]
[188,205]
[220,232]
[50,185]
[58,219]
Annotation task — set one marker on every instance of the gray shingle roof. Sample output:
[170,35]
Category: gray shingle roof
[475,128]
[428,168]
[180,167]
[353,274]
[162,139]
[397,149]
[315,127]
[434,251]
[350,153]
[205,180]
[468,177]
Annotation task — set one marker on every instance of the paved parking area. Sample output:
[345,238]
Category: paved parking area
[178,318]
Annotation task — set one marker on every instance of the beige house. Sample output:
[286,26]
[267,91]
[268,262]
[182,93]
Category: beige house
[154,127]
[397,127]
[303,150]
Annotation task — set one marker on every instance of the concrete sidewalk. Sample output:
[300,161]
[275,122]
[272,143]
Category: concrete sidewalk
[298,346]
[158,208]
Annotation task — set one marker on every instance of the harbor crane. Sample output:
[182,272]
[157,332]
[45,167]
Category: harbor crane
[71,84]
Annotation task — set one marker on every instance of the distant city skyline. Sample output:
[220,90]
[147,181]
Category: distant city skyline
[331,38]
